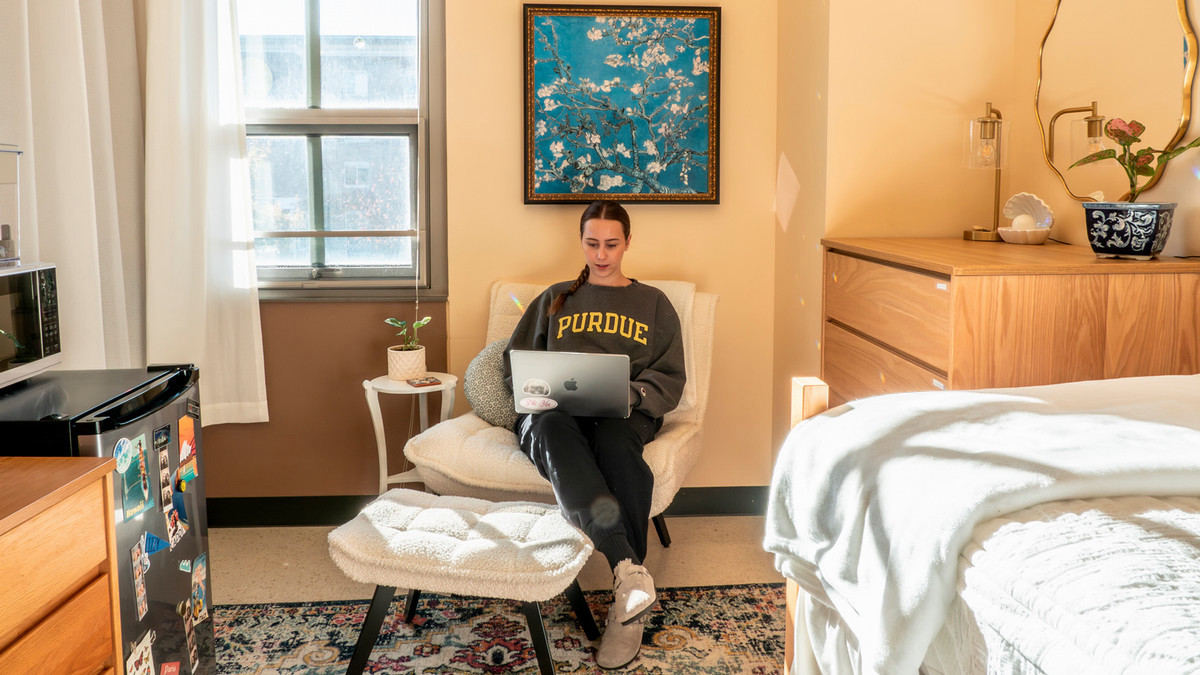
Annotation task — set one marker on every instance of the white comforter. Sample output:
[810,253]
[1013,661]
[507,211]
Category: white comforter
[1104,586]
[872,501]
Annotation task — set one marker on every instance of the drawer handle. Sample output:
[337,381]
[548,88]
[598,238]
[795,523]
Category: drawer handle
[938,385]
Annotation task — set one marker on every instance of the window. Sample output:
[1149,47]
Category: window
[345,143]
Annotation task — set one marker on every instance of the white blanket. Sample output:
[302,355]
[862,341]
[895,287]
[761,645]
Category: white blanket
[872,501]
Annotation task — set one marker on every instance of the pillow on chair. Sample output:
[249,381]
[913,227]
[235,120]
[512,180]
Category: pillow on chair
[484,386]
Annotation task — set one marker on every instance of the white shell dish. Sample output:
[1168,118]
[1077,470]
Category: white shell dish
[1025,203]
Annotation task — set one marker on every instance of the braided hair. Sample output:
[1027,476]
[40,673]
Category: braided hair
[602,210]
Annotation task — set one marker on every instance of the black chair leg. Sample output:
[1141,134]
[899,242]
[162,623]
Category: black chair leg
[660,526]
[583,613]
[410,604]
[537,631]
[370,628]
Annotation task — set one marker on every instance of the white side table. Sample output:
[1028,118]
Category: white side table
[385,385]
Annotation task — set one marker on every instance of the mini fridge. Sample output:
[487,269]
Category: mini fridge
[149,420]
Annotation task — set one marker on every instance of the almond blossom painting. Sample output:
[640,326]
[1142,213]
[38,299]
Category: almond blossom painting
[621,102]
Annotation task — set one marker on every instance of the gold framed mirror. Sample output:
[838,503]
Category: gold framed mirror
[1080,65]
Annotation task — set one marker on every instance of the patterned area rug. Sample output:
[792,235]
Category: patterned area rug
[710,629]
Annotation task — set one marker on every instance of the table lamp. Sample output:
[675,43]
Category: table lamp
[987,149]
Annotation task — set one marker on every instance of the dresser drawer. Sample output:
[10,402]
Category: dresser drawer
[75,638]
[50,556]
[905,310]
[856,368]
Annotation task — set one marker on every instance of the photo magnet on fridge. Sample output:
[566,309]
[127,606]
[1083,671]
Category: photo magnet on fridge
[135,477]
[162,436]
[139,578]
[199,597]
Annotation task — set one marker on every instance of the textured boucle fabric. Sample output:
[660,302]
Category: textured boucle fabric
[462,546]
[484,386]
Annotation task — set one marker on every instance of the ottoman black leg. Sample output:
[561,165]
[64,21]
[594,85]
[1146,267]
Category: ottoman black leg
[410,604]
[660,526]
[537,631]
[583,613]
[370,628]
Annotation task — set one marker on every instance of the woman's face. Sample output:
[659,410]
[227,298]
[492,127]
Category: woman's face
[604,245]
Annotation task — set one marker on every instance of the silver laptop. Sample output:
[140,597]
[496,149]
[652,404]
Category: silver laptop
[577,383]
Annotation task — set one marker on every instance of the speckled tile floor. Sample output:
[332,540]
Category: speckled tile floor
[292,564]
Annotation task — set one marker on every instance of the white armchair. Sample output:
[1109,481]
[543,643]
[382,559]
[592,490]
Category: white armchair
[470,457]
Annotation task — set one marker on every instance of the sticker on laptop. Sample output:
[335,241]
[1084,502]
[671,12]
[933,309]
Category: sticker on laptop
[538,403]
[539,392]
[536,387]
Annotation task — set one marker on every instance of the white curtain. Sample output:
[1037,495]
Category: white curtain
[69,72]
[201,299]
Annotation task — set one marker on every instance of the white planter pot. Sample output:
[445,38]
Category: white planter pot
[404,364]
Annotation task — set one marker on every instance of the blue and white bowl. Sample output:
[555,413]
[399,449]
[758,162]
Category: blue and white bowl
[1124,230]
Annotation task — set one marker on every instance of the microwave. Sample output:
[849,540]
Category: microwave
[29,341]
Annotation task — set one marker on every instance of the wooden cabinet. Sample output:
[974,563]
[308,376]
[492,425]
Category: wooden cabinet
[58,585]
[920,314]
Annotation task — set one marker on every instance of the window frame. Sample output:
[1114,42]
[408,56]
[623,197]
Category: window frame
[427,138]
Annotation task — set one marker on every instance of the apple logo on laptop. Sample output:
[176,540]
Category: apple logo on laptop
[571,385]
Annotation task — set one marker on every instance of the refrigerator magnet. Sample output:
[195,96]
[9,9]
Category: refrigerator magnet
[162,436]
[175,528]
[185,566]
[189,630]
[180,507]
[139,579]
[193,408]
[141,659]
[166,488]
[171,668]
[135,478]
[187,438]
[199,596]
[155,543]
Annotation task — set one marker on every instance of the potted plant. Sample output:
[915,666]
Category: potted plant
[407,359]
[1130,229]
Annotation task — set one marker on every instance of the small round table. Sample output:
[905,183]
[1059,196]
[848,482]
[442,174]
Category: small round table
[385,385]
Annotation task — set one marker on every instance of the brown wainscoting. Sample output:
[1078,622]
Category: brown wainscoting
[319,440]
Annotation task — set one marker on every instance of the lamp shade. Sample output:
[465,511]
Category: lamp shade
[986,143]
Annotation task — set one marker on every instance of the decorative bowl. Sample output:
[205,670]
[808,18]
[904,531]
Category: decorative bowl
[1128,230]
[1026,203]
[1013,235]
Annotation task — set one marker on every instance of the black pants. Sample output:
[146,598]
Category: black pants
[600,479]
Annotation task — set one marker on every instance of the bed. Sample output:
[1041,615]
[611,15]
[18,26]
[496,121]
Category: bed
[1046,530]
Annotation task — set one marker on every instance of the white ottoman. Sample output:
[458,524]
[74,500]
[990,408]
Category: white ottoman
[462,546]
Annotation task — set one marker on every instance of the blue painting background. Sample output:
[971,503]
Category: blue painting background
[618,114]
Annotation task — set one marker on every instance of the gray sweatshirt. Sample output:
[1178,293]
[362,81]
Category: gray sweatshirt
[636,320]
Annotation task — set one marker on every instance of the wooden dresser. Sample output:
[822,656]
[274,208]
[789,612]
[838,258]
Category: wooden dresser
[58,585]
[920,314]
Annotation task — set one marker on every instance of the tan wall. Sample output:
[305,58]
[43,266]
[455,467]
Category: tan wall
[803,87]
[726,249]
[899,100]
[1179,182]
[320,440]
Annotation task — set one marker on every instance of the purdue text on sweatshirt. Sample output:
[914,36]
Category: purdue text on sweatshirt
[636,320]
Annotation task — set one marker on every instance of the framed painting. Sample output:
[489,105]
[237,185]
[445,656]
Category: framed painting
[622,102]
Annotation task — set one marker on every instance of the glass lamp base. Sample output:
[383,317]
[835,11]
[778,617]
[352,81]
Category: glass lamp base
[981,235]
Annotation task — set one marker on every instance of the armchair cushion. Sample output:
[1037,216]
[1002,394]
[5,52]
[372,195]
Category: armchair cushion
[484,387]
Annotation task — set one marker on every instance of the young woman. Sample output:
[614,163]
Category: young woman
[600,479]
